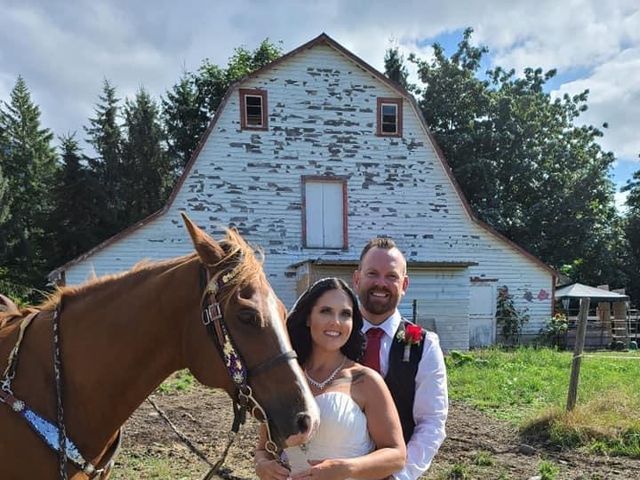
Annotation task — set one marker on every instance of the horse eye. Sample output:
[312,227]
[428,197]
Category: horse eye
[249,317]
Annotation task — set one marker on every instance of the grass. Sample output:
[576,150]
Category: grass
[148,466]
[528,387]
[181,381]
[483,459]
[548,470]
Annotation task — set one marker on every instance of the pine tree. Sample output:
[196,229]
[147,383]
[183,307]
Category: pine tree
[148,174]
[77,205]
[395,69]
[29,163]
[4,198]
[184,120]
[105,136]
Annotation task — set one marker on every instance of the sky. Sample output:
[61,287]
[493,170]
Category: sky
[64,49]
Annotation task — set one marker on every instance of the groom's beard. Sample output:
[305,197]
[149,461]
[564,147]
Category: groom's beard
[378,305]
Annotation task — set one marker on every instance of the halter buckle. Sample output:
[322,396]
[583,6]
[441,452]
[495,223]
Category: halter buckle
[5,386]
[211,313]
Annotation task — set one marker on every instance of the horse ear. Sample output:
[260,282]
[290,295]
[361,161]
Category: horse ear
[208,249]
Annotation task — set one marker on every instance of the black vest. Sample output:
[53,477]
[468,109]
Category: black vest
[401,379]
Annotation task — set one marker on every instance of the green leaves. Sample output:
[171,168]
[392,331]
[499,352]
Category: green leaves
[524,163]
[191,103]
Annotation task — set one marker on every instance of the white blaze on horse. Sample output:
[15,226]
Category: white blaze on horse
[119,337]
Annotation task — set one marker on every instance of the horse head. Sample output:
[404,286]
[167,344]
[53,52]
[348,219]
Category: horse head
[254,362]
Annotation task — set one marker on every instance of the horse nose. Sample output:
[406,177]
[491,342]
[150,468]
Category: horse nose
[303,423]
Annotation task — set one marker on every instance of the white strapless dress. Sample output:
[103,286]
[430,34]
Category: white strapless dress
[342,433]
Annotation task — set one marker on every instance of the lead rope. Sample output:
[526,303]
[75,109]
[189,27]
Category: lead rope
[57,373]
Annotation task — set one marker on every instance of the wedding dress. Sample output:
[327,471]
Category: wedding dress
[342,433]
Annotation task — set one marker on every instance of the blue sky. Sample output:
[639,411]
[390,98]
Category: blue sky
[64,49]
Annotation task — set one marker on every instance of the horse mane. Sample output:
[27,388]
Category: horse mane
[250,268]
[233,245]
[9,311]
[140,268]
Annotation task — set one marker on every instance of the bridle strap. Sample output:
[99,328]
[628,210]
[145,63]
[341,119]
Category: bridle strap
[57,374]
[12,364]
[264,366]
[213,319]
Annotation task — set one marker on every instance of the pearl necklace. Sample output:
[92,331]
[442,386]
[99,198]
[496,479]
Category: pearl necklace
[321,385]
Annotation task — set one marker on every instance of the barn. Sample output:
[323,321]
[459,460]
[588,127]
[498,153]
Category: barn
[311,156]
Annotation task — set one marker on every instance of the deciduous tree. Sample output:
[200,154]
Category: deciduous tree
[526,166]
[191,103]
[632,231]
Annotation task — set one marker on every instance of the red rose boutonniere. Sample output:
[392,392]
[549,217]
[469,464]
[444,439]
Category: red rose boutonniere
[411,335]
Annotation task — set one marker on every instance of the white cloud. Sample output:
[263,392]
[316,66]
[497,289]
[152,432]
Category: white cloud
[614,98]
[65,49]
[620,199]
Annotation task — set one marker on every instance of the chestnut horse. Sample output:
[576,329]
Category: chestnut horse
[120,336]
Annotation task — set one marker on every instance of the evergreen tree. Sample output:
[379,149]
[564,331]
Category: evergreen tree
[395,69]
[148,174]
[522,162]
[4,198]
[105,136]
[28,161]
[184,120]
[77,202]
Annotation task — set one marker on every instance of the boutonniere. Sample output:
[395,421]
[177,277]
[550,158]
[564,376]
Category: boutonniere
[411,335]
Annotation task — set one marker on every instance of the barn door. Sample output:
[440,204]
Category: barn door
[482,318]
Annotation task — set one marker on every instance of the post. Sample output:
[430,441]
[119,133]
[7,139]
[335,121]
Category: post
[577,353]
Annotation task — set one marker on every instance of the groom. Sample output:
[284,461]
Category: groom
[408,357]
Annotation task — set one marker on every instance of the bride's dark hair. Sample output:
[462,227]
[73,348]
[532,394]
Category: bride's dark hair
[300,333]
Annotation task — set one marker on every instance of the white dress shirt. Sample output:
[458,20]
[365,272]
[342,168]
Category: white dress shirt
[431,403]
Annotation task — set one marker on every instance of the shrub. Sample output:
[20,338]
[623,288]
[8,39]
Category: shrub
[509,319]
[554,331]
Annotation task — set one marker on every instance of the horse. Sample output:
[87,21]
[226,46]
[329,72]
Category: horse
[121,335]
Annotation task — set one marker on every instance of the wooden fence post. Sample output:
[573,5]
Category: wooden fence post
[577,353]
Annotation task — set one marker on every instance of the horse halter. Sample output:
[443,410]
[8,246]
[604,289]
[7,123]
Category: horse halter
[213,320]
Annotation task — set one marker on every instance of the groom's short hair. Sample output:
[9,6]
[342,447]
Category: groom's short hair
[385,243]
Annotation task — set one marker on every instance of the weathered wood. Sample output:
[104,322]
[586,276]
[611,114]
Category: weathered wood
[577,354]
[322,124]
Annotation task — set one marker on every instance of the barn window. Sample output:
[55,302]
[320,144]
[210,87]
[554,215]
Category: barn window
[253,109]
[324,210]
[389,117]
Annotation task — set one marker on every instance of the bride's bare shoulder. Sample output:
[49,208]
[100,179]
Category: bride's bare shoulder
[361,374]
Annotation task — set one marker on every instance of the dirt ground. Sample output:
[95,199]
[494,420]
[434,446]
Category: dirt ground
[477,446]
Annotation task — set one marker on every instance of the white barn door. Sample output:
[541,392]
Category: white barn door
[482,318]
[324,214]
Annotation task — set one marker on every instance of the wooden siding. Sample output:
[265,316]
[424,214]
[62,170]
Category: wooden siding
[322,122]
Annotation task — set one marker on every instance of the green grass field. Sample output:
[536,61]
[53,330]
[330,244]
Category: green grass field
[528,387]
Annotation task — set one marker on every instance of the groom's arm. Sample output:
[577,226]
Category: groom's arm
[430,410]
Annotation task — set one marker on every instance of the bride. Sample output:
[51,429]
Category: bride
[360,436]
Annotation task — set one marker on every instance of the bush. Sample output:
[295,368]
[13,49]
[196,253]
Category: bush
[554,331]
[510,320]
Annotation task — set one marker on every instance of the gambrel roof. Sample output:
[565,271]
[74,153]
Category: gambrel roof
[325,40]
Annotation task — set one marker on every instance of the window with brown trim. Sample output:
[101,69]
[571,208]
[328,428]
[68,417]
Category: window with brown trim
[253,109]
[389,122]
[324,212]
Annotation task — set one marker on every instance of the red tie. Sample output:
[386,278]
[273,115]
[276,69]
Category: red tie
[372,353]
